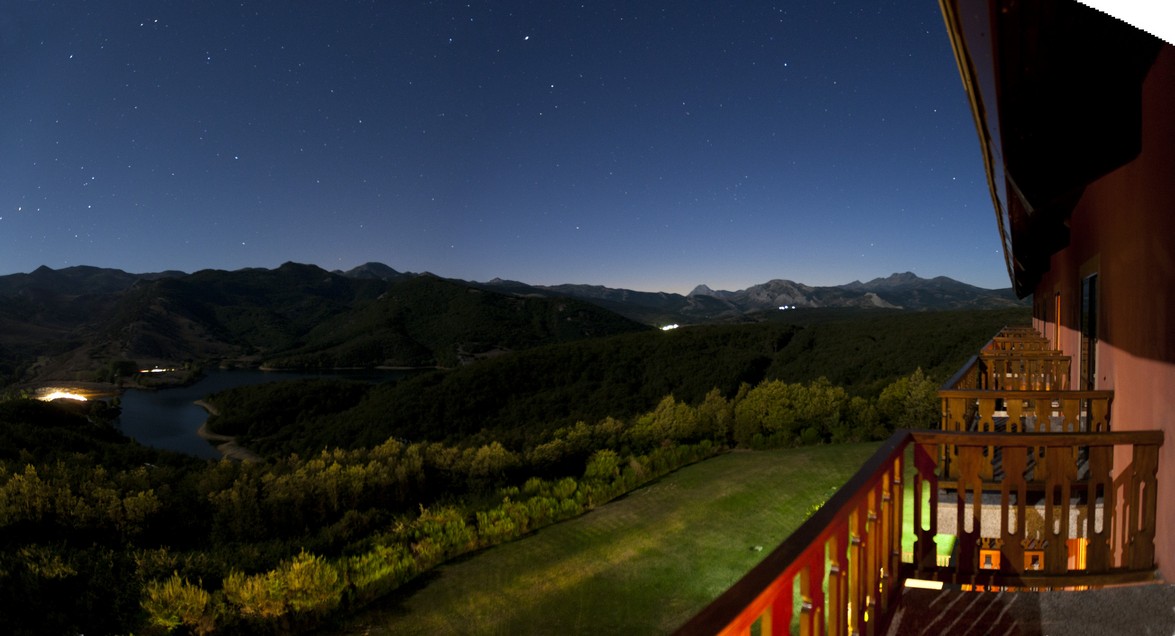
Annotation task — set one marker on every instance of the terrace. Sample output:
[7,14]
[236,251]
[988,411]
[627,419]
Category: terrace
[1024,496]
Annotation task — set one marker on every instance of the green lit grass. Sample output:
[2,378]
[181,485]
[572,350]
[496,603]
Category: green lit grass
[944,544]
[643,564]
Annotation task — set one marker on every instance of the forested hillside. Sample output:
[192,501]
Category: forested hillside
[292,316]
[355,498]
[518,399]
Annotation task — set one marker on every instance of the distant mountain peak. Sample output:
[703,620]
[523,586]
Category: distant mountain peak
[701,290]
[897,278]
[373,270]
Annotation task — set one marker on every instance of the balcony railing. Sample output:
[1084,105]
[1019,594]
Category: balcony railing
[1010,389]
[1024,370]
[1018,341]
[1020,487]
[842,570]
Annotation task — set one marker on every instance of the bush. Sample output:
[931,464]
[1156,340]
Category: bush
[175,603]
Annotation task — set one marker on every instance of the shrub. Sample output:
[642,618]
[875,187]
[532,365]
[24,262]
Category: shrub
[175,603]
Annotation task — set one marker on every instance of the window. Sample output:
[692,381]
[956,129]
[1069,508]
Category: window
[1088,358]
[1057,321]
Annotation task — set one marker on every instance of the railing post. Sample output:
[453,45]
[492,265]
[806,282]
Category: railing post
[1140,547]
[893,535]
[776,620]
[857,576]
[1099,555]
[873,545]
[1062,467]
[812,596]
[925,481]
[1015,460]
[838,584]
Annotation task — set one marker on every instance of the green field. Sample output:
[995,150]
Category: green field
[642,565]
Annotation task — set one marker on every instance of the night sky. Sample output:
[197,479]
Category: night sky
[645,145]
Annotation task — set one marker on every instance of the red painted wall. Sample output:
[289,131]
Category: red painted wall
[1124,230]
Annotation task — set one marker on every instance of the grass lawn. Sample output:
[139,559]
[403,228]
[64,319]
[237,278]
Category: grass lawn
[643,564]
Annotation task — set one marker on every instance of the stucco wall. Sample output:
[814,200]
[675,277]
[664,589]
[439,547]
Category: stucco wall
[1124,230]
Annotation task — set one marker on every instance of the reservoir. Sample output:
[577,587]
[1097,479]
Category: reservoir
[169,419]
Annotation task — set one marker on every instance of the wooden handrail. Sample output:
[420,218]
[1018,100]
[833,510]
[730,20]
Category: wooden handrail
[1045,353]
[1120,438]
[856,535]
[1027,395]
[1018,343]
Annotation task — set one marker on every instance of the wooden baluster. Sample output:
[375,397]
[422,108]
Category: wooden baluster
[1044,414]
[987,425]
[1015,408]
[1044,410]
[885,522]
[894,518]
[776,621]
[971,463]
[954,414]
[1015,460]
[1062,469]
[955,419]
[1099,415]
[873,545]
[1140,546]
[925,488]
[1099,553]
[857,570]
[812,595]
[1071,415]
[838,580]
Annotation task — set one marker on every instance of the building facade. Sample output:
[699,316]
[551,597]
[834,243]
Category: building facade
[1075,112]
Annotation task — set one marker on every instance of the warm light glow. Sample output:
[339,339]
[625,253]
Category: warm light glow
[668,327]
[924,585]
[59,394]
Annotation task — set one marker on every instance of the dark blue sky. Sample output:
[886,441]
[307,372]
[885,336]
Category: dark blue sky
[647,145]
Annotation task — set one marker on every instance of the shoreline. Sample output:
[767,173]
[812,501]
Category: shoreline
[228,446]
[267,368]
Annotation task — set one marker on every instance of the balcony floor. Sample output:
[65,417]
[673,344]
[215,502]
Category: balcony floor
[1129,610]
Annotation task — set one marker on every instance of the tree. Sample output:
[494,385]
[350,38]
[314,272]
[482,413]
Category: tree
[910,402]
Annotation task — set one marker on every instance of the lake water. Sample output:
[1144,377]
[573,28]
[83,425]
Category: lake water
[169,419]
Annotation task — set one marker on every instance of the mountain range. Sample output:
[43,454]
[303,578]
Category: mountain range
[898,291]
[74,323]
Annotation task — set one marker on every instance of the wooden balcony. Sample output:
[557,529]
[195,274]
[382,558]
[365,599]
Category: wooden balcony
[1022,490]
[842,571]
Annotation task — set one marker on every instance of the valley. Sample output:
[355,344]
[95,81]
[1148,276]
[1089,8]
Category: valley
[528,411]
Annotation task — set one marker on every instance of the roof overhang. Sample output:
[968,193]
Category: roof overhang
[1055,88]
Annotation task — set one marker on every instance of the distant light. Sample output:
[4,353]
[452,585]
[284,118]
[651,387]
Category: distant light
[924,585]
[668,327]
[62,395]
